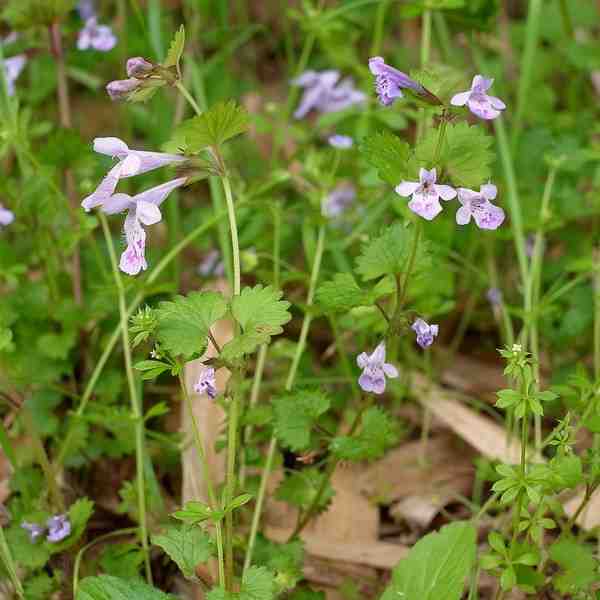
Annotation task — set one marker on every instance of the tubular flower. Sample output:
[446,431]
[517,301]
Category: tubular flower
[478,101]
[375,370]
[426,194]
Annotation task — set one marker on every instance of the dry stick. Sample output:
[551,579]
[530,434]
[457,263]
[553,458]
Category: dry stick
[136,409]
[64,108]
[289,384]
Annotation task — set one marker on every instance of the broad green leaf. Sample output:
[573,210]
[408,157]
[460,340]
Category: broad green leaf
[376,434]
[342,294]
[436,566]
[261,314]
[183,323]
[464,159]
[388,254]
[213,127]
[107,587]
[39,587]
[187,545]
[175,49]
[258,584]
[388,154]
[194,512]
[284,560]
[295,415]
[579,569]
[300,488]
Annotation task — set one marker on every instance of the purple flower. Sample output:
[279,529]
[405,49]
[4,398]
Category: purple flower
[6,216]
[211,264]
[390,82]
[323,93]
[133,258]
[138,66]
[12,69]
[86,9]
[97,37]
[34,530]
[478,206]
[121,88]
[142,209]
[59,527]
[342,142]
[479,103]
[494,295]
[375,370]
[207,383]
[425,332]
[338,200]
[426,194]
[131,162]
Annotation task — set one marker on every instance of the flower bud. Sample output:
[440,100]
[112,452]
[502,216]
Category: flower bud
[121,88]
[138,66]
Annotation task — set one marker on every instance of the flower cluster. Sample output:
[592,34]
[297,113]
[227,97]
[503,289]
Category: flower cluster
[375,370]
[425,194]
[207,383]
[97,37]
[324,93]
[6,216]
[142,209]
[138,70]
[425,200]
[56,529]
[425,333]
[338,200]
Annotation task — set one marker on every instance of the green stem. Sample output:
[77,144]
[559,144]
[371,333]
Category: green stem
[379,27]
[566,19]
[9,564]
[112,340]
[425,55]
[527,65]
[314,278]
[230,486]
[210,488]
[516,219]
[235,246]
[102,538]
[188,97]
[136,411]
[532,294]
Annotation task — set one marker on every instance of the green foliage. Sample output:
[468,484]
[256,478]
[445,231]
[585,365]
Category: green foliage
[388,154]
[579,568]
[258,584]
[22,14]
[187,545]
[388,254]
[342,294]
[300,488]
[296,414]
[284,560]
[436,566]
[122,560]
[212,128]
[107,587]
[40,587]
[261,314]
[175,49]
[183,323]
[376,434]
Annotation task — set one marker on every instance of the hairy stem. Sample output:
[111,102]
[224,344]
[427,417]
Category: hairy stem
[136,410]
[210,488]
